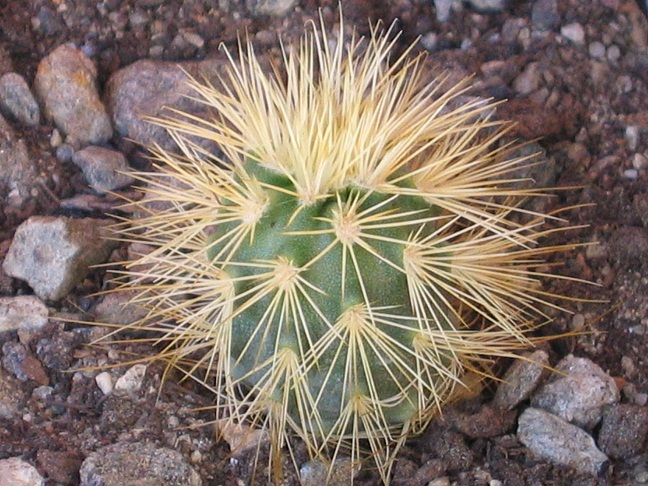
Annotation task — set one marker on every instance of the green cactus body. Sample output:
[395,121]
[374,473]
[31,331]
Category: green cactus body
[334,273]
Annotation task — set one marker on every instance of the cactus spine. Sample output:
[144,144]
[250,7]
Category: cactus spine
[350,257]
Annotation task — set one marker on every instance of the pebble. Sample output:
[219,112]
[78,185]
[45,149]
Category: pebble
[22,312]
[545,15]
[486,423]
[17,100]
[273,8]
[573,32]
[53,254]
[632,137]
[521,379]
[239,437]
[596,49]
[488,6]
[128,463]
[148,88]
[639,161]
[443,9]
[66,84]
[18,361]
[624,430]
[528,80]
[578,392]
[132,380]
[117,308]
[316,472]
[16,472]
[17,170]
[553,439]
[11,395]
[104,169]
[631,174]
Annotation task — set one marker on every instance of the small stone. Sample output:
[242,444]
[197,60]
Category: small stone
[631,174]
[53,254]
[66,84]
[128,463]
[104,382]
[545,15]
[316,473]
[443,9]
[573,32]
[624,429]
[17,170]
[444,481]
[11,395]
[274,8]
[597,49]
[22,312]
[17,360]
[240,437]
[632,137]
[488,6]
[118,308]
[132,380]
[578,392]
[17,100]
[613,53]
[521,379]
[639,161]
[553,439]
[104,169]
[528,80]
[16,472]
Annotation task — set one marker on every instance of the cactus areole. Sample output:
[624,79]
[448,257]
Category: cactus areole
[359,247]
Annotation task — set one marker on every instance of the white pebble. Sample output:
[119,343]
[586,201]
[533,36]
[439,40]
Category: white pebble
[632,136]
[104,382]
[573,32]
[597,50]
[16,472]
[132,379]
[639,161]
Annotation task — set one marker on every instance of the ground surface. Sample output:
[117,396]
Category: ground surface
[577,93]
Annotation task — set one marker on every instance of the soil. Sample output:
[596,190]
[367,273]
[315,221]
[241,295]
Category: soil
[579,107]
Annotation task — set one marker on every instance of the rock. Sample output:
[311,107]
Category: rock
[137,464]
[240,437]
[443,9]
[521,379]
[117,308]
[16,472]
[574,32]
[132,380]
[316,473]
[22,312]
[553,439]
[104,169]
[578,392]
[61,467]
[487,422]
[105,382]
[17,360]
[545,15]
[149,89]
[274,8]
[17,171]
[623,431]
[53,254]
[528,80]
[488,6]
[11,395]
[17,101]
[66,84]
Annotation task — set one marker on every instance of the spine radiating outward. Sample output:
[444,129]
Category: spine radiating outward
[352,253]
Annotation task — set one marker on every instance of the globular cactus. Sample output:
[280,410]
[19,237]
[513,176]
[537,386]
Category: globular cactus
[358,246]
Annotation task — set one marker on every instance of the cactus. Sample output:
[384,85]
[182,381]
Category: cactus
[359,246]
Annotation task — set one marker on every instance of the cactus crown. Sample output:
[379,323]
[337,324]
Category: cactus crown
[350,256]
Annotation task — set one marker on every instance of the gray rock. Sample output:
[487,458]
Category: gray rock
[22,312]
[443,9]
[66,84]
[528,80]
[17,100]
[17,171]
[578,392]
[521,379]
[623,431]
[137,464]
[488,6]
[316,472]
[553,439]
[52,254]
[274,8]
[104,169]
[148,89]
[545,15]
[11,395]
[16,472]
[118,308]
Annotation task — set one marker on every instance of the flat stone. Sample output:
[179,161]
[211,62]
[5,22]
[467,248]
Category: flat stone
[520,380]
[104,169]
[22,312]
[53,254]
[553,439]
[578,392]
